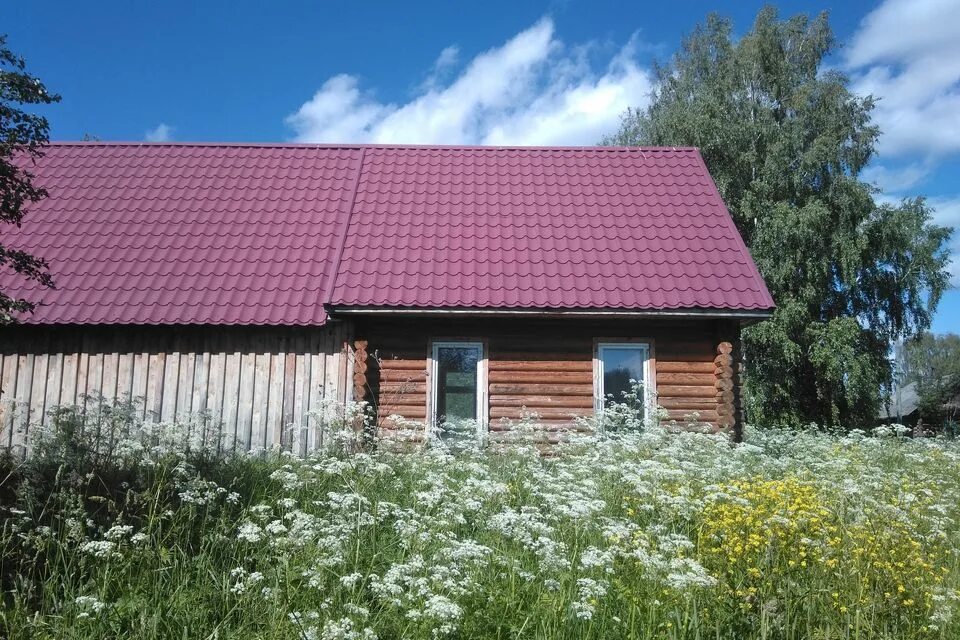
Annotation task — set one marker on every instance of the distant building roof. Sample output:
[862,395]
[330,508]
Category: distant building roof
[271,234]
[903,402]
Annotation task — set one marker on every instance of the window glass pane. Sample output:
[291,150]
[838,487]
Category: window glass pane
[457,383]
[621,364]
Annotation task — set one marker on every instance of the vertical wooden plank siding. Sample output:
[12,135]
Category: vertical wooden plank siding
[258,385]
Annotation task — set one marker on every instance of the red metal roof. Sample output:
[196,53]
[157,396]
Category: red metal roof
[258,234]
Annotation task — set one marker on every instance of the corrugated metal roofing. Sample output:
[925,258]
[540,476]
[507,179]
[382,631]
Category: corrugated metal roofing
[258,234]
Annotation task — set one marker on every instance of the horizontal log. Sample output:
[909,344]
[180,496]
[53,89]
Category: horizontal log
[725,348]
[501,424]
[551,427]
[680,426]
[699,379]
[706,366]
[551,377]
[582,402]
[526,355]
[686,391]
[531,389]
[723,384]
[407,411]
[683,414]
[403,401]
[515,413]
[584,365]
[403,387]
[419,364]
[688,404]
[403,375]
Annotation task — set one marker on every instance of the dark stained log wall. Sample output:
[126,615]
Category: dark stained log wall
[545,366]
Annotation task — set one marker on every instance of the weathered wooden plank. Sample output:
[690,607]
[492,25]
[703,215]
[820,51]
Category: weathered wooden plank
[38,392]
[54,381]
[301,395]
[275,396]
[156,378]
[21,422]
[170,387]
[215,388]
[245,401]
[201,380]
[319,342]
[140,380]
[288,392]
[71,371]
[185,381]
[261,391]
[231,397]
[124,368]
[83,370]
[110,375]
[8,395]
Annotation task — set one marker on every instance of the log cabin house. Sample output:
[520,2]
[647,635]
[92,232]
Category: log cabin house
[250,282]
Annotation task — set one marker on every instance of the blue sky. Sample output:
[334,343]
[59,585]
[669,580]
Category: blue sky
[480,72]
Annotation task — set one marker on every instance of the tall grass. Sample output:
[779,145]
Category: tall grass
[111,528]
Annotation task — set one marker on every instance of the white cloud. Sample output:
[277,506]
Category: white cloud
[896,179]
[907,53]
[530,90]
[161,133]
[946,211]
[447,58]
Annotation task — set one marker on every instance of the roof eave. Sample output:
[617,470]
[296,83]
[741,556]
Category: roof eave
[750,315]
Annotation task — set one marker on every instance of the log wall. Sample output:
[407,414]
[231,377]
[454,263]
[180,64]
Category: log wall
[546,366]
[259,384]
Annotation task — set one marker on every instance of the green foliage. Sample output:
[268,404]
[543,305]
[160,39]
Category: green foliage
[113,528]
[22,136]
[785,141]
[932,362]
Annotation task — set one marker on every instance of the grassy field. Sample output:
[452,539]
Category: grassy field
[639,535]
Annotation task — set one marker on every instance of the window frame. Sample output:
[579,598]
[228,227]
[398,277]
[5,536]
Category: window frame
[432,379]
[649,371]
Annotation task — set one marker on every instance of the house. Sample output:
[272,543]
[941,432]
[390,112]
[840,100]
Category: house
[252,282]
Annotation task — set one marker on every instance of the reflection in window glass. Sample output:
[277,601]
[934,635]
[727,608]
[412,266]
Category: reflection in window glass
[456,383]
[621,364]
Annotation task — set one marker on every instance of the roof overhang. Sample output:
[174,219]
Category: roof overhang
[751,315]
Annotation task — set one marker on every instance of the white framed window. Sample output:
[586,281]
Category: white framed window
[616,364]
[458,388]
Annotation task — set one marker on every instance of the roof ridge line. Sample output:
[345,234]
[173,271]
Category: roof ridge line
[334,269]
[361,145]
